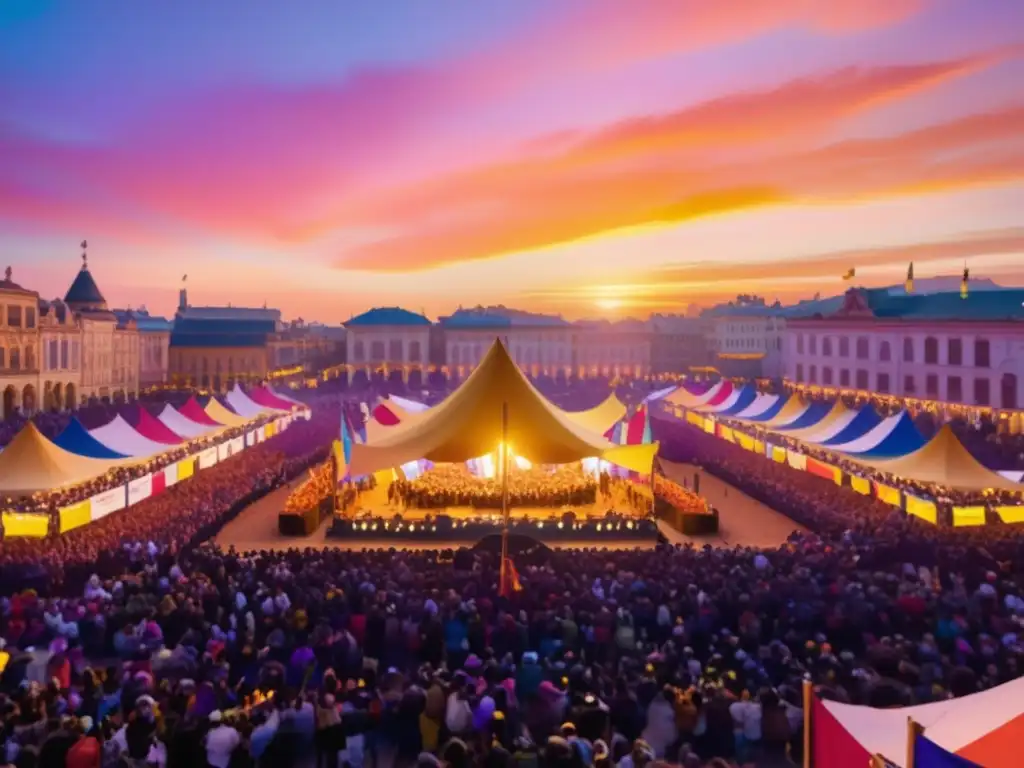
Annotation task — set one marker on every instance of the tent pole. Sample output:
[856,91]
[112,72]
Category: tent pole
[503,458]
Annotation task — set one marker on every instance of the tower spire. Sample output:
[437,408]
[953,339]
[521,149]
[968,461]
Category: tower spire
[85,255]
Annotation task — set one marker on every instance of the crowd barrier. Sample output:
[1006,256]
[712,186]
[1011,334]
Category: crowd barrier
[98,506]
[444,528]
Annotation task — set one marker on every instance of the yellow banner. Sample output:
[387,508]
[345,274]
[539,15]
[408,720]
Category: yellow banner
[339,458]
[922,508]
[861,485]
[779,454]
[186,468]
[75,516]
[1013,514]
[727,434]
[694,418]
[964,516]
[23,525]
[709,426]
[270,430]
[745,441]
[887,494]
[759,447]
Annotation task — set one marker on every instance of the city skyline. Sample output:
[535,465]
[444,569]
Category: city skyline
[577,157]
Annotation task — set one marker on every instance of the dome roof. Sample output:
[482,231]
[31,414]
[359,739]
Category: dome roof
[84,290]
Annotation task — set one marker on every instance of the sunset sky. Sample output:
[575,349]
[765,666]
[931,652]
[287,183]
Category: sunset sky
[590,157]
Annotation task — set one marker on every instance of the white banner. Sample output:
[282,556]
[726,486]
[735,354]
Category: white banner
[223,451]
[207,458]
[170,474]
[250,437]
[306,414]
[102,504]
[237,445]
[140,488]
[261,434]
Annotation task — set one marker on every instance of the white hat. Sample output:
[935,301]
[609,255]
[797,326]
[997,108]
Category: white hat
[216,716]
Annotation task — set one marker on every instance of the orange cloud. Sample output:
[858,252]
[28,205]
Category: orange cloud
[657,169]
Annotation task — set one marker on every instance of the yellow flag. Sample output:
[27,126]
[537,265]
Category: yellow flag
[850,274]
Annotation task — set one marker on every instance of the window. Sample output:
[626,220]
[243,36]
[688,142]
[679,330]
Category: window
[885,352]
[414,352]
[799,345]
[30,317]
[1008,395]
[826,347]
[955,352]
[931,351]
[844,377]
[862,379]
[63,353]
[14,316]
[954,389]
[376,351]
[931,386]
[813,378]
[982,393]
[908,350]
[909,386]
[799,371]
[3,357]
[883,383]
[395,350]
[814,345]
[359,352]
[206,365]
[982,353]
[844,346]
[74,354]
[53,361]
[15,358]
[826,376]
[863,347]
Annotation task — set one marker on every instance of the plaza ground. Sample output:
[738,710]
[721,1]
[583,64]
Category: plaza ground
[743,521]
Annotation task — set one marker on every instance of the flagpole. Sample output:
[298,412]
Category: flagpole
[808,697]
[503,458]
[913,729]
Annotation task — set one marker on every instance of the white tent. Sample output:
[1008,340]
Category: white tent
[242,405]
[121,437]
[181,425]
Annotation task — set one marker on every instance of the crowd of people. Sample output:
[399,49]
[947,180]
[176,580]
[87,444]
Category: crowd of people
[679,497]
[453,485]
[129,640]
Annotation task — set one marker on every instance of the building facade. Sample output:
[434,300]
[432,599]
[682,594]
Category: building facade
[60,358]
[606,348]
[154,344]
[679,344]
[745,338]
[539,344]
[19,347]
[387,341]
[938,347]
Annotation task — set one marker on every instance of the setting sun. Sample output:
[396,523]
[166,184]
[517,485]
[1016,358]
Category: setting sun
[609,303]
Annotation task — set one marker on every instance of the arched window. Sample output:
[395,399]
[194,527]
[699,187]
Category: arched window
[455,354]
[826,348]
[884,352]
[395,351]
[908,350]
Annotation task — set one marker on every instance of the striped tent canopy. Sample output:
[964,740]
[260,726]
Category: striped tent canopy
[725,390]
[764,406]
[120,437]
[147,425]
[891,437]
[266,398]
[242,404]
[1013,474]
[737,400]
[794,408]
[218,413]
[660,394]
[193,411]
[180,424]
[286,398]
[690,396]
[812,414]
[864,421]
[75,438]
[806,432]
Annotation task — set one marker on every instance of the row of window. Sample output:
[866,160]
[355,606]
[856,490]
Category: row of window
[393,348]
[18,316]
[14,359]
[954,349]
[954,385]
[759,343]
[61,356]
[195,365]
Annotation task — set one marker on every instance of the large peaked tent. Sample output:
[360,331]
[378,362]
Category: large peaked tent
[892,437]
[944,461]
[242,404]
[222,415]
[147,425]
[181,425]
[193,411]
[31,463]
[811,428]
[688,398]
[468,424]
[75,438]
[120,436]
[601,417]
[266,398]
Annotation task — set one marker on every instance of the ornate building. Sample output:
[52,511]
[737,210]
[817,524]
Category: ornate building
[938,347]
[679,344]
[60,356]
[745,338]
[19,347]
[154,343]
[387,340]
[605,348]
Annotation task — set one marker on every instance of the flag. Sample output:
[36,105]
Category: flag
[340,465]
[648,437]
[850,274]
[928,754]
[508,578]
[184,278]
[963,283]
[909,285]
[346,439]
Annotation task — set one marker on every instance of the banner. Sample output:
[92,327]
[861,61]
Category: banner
[75,516]
[223,451]
[860,484]
[778,454]
[268,430]
[694,418]
[759,446]
[159,482]
[237,445]
[103,504]
[261,434]
[964,516]
[796,460]
[726,433]
[250,437]
[25,525]
[888,495]
[746,441]
[709,426]
[170,474]
[1013,514]
[140,489]
[207,458]
[186,468]
[922,508]
[827,471]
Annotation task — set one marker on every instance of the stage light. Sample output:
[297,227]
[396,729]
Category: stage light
[559,525]
[598,527]
[433,528]
[412,528]
[364,526]
[629,525]
[540,523]
[373,527]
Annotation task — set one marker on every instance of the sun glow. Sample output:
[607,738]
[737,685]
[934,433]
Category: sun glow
[609,303]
